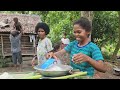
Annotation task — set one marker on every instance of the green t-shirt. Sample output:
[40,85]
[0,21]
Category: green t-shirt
[90,49]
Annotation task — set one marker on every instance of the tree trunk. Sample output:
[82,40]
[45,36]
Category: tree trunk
[89,16]
[113,58]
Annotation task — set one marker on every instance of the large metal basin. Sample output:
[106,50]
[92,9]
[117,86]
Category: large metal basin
[49,73]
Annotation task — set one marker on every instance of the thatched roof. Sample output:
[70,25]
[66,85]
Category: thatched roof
[28,22]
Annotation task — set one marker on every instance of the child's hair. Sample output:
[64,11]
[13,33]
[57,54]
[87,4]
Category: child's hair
[84,23]
[57,45]
[14,33]
[44,26]
[65,34]
[15,19]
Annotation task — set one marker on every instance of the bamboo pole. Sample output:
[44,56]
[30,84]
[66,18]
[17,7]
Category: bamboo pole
[71,76]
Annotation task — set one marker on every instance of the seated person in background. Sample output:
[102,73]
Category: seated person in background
[64,58]
[57,47]
[65,41]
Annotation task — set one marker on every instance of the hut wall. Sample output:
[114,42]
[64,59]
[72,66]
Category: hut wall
[26,46]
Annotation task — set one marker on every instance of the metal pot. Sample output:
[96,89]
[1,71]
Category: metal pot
[49,73]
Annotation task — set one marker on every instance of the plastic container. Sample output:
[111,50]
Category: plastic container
[47,63]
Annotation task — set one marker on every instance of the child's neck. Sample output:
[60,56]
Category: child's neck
[42,38]
[82,43]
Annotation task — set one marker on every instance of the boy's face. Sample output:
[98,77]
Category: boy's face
[15,20]
[80,33]
[41,33]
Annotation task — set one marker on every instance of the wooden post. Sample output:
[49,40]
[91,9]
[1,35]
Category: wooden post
[35,48]
[2,46]
[89,15]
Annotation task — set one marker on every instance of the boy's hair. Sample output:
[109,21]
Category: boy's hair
[65,34]
[57,45]
[84,23]
[43,26]
[14,33]
[15,19]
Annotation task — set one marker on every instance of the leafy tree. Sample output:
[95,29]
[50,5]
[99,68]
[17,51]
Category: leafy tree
[118,44]
[105,25]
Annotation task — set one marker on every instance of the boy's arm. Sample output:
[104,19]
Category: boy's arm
[56,54]
[20,35]
[35,57]
[60,53]
[96,60]
[21,28]
[14,26]
[98,65]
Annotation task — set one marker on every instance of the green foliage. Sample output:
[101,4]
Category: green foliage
[105,26]
[59,22]
[104,33]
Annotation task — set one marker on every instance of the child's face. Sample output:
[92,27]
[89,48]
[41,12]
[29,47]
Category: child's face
[64,36]
[15,20]
[41,33]
[80,33]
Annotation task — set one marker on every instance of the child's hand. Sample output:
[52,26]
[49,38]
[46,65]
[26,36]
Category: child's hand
[79,58]
[33,62]
[50,55]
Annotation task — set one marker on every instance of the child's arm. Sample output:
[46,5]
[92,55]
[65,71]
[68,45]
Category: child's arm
[20,26]
[33,60]
[98,65]
[13,26]
[20,34]
[56,54]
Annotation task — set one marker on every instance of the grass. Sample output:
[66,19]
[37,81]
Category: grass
[108,50]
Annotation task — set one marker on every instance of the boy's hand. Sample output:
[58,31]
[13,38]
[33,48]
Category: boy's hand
[50,55]
[79,58]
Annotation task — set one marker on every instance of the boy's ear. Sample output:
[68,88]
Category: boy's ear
[88,33]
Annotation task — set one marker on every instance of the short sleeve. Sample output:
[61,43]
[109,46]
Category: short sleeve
[69,46]
[49,45]
[96,53]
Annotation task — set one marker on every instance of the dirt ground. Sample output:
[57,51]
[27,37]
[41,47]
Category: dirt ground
[98,75]
[110,72]
[26,66]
